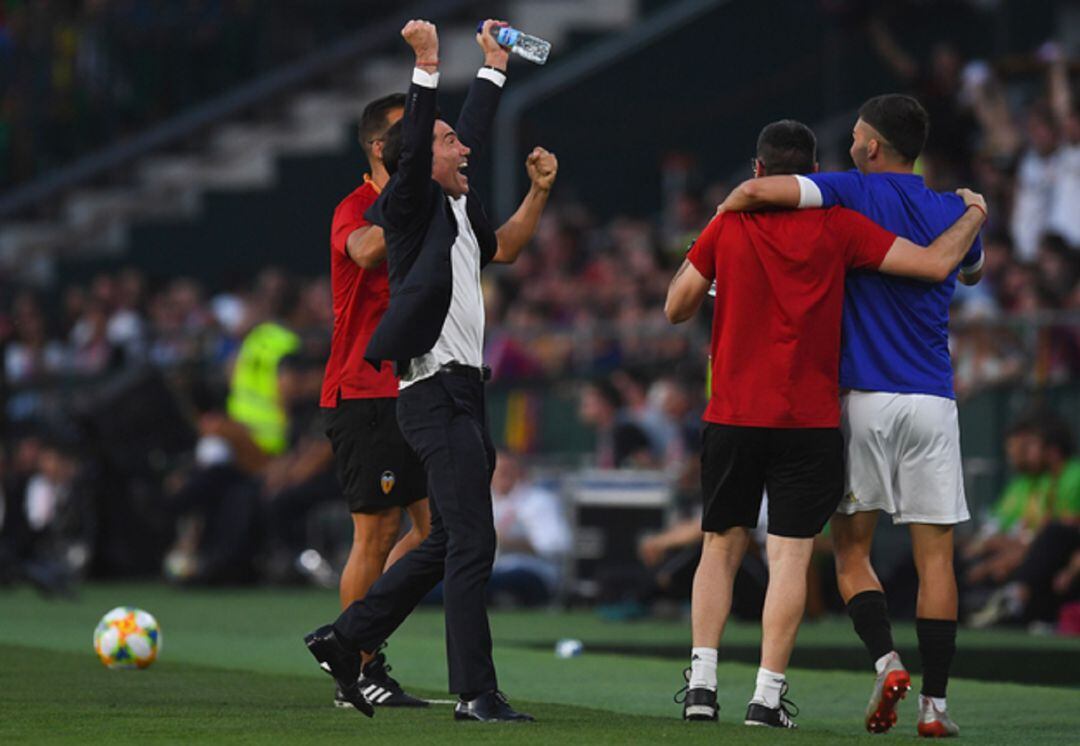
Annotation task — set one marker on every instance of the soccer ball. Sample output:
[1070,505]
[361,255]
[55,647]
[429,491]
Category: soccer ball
[127,637]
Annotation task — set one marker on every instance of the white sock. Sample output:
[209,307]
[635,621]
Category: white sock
[703,668]
[769,684]
[938,702]
[880,663]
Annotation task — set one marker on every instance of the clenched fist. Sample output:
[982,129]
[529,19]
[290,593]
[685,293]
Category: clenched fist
[494,55]
[542,165]
[424,40]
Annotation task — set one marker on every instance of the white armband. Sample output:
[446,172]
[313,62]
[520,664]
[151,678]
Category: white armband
[424,79]
[809,193]
[974,268]
[498,77]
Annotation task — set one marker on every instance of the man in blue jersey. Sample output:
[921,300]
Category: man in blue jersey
[899,413]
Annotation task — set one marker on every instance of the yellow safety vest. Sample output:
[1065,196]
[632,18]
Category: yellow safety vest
[254,399]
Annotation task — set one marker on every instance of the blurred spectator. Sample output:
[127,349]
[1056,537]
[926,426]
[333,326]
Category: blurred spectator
[47,525]
[937,84]
[1045,580]
[619,442]
[1064,216]
[30,353]
[254,450]
[1019,513]
[1036,532]
[680,424]
[533,537]
[1035,180]
[985,351]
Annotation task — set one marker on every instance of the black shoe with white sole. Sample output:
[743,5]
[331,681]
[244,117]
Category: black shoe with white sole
[698,703]
[757,713]
[381,689]
[341,663]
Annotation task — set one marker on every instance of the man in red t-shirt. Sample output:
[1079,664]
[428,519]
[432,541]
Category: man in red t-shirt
[379,473]
[774,409]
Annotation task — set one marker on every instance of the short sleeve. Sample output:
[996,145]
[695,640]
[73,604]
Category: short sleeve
[865,242]
[973,260]
[348,217]
[843,188]
[702,253]
[1010,506]
[1068,492]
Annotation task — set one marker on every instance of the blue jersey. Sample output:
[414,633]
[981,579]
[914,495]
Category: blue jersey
[896,330]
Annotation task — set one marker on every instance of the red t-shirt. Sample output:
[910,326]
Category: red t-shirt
[360,300]
[779,297]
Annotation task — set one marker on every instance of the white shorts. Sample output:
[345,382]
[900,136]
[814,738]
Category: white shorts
[903,457]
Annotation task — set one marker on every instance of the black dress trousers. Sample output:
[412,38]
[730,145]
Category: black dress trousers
[444,419]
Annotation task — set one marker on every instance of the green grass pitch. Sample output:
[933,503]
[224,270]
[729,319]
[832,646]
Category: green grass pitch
[233,669]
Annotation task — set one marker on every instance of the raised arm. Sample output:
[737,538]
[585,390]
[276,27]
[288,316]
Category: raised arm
[405,195]
[520,228]
[478,112]
[935,262]
[758,194]
[895,56]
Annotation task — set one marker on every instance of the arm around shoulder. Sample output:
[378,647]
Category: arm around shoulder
[763,192]
[936,262]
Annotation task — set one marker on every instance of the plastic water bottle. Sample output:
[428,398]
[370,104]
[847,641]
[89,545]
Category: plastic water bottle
[532,48]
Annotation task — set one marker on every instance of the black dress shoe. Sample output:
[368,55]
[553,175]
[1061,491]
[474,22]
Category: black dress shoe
[489,707]
[341,663]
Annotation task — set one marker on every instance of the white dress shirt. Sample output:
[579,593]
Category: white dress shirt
[462,337]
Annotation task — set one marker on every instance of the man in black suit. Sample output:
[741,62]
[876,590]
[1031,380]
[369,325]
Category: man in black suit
[438,238]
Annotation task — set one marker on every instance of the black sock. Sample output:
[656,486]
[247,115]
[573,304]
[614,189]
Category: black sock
[870,614]
[937,646]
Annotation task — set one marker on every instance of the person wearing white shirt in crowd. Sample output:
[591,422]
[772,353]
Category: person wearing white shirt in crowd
[1035,183]
[532,535]
[1064,216]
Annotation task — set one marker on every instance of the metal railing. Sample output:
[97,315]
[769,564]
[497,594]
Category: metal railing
[584,350]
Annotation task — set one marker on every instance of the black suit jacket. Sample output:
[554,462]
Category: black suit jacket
[420,228]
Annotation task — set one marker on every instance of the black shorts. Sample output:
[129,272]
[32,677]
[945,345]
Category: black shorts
[376,467]
[802,469]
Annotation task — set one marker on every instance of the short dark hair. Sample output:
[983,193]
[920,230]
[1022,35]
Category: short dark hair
[393,142]
[1056,433]
[901,120]
[392,145]
[374,119]
[787,147]
[607,392]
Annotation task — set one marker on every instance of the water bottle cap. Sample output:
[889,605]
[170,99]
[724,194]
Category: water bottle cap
[480,26]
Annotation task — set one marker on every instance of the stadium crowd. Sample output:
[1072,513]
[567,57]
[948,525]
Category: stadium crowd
[585,303]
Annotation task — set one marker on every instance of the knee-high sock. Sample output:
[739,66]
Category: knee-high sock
[870,614]
[937,646]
